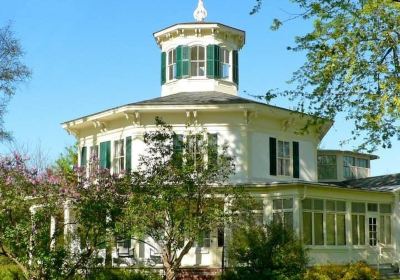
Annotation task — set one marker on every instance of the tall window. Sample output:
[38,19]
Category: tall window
[195,153]
[283,158]
[225,63]
[203,240]
[258,211]
[172,64]
[93,158]
[313,221]
[282,210]
[358,223]
[197,56]
[119,156]
[327,168]
[335,222]
[348,163]
[177,150]
[212,150]
[385,224]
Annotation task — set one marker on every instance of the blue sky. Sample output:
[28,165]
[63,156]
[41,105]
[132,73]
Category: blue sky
[91,55]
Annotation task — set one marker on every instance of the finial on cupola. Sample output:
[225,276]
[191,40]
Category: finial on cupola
[200,13]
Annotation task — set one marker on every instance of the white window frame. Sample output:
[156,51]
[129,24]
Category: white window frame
[171,65]
[197,62]
[280,212]
[284,158]
[322,164]
[119,156]
[225,60]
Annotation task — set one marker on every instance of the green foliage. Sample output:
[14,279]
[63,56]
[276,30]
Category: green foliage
[12,72]
[270,252]
[352,66]
[122,274]
[9,271]
[66,163]
[355,271]
[175,195]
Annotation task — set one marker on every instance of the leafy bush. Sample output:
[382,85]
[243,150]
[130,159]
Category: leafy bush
[9,271]
[122,274]
[270,252]
[355,271]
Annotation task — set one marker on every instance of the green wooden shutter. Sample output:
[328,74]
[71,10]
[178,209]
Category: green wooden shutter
[236,67]
[163,67]
[179,62]
[83,156]
[182,61]
[128,151]
[213,62]
[272,156]
[105,155]
[296,160]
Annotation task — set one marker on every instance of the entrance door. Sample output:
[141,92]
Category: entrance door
[373,230]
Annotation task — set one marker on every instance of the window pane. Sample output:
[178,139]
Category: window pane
[280,149]
[362,162]
[277,218]
[318,204]
[388,230]
[307,204]
[354,229]
[341,229]
[362,229]
[385,208]
[288,220]
[193,51]
[319,228]
[372,207]
[330,229]
[277,204]
[340,206]
[330,205]
[307,228]
[382,229]
[357,207]
[288,203]
[201,69]
[201,53]
[193,69]
[286,149]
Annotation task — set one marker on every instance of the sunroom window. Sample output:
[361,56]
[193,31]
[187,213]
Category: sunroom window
[282,212]
[197,66]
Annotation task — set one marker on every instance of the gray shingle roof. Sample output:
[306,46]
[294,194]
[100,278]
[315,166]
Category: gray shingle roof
[381,183]
[197,98]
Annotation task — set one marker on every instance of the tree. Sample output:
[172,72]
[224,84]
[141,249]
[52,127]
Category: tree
[178,192]
[28,201]
[12,72]
[265,252]
[352,66]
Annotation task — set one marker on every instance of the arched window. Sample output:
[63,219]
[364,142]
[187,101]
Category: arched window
[197,57]
[172,65]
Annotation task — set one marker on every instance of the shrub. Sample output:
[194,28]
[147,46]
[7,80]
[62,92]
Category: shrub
[9,271]
[270,252]
[121,274]
[355,271]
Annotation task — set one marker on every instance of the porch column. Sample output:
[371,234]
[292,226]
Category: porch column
[349,236]
[52,232]
[267,201]
[297,215]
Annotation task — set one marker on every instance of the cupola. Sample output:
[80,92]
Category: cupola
[200,56]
